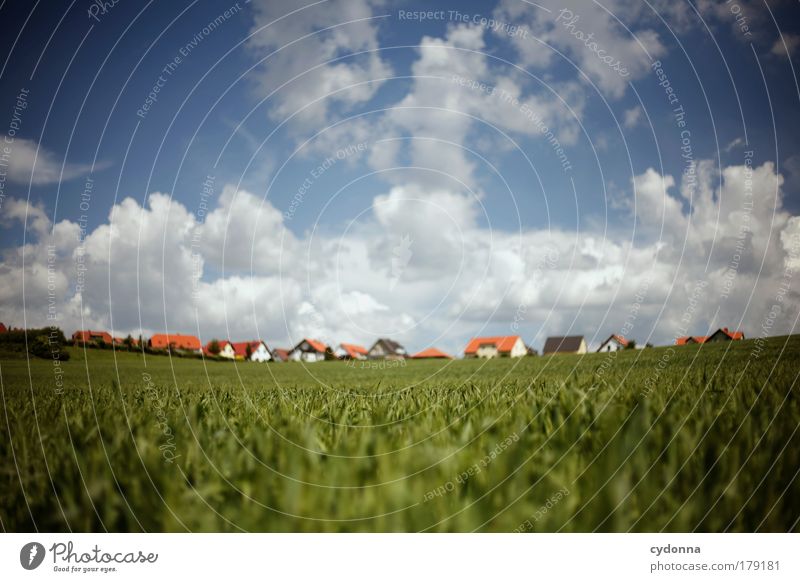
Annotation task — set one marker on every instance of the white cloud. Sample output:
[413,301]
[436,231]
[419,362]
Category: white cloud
[735,143]
[32,163]
[459,91]
[296,41]
[589,35]
[655,208]
[245,232]
[632,117]
[786,45]
[459,277]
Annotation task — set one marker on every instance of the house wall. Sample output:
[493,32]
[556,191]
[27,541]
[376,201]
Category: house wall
[260,355]
[310,357]
[519,349]
[582,348]
[611,345]
[488,351]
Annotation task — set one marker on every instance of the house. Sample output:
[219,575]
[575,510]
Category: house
[509,346]
[386,349]
[253,351]
[280,354]
[95,337]
[225,349]
[614,343]
[570,344]
[689,339]
[308,350]
[351,352]
[723,334]
[3,328]
[432,354]
[167,341]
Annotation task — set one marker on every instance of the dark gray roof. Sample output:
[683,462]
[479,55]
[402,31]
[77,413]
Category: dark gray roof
[389,347]
[556,344]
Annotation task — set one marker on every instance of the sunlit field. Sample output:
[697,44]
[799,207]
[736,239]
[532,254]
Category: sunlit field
[674,439]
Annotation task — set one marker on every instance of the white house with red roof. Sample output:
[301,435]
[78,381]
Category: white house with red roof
[614,343]
[351,352]
[308,350]
[252,351]
[225,349]
[509,346]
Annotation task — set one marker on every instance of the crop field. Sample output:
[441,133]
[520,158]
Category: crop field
[692,438]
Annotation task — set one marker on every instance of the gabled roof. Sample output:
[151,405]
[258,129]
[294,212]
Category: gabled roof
[622,341]
[182,342]
[734,335]
[89,335]
[316,345]
[690,339]
[240,348]
[353,350]
[389,346]
[220,343]
[502,343]
[558,344]
[281,353]
[432,353]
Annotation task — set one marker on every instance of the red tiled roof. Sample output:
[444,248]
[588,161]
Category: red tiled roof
[734,335]
[432,353]
[221,343]
[503,343]
[90,336]
[181,342]
[353,350]
[317,345]
[281,353]
[240,348]
[3,328]
[690,339]
[620,339]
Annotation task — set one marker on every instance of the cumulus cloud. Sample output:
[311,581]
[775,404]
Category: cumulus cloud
[459,92]
[421,267]
[590,35]
[316,58]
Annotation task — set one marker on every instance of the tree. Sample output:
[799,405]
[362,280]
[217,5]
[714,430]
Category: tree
[631,345]
[49,346]
[214,348]
[248,351]
[128,342]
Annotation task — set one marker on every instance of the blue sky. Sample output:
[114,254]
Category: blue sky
[444,209]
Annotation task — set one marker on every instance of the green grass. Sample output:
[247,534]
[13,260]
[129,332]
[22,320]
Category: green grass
[713,446]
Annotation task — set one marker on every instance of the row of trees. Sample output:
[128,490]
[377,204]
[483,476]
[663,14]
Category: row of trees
[45,342]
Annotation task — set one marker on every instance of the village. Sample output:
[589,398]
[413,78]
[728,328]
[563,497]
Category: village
[310,350]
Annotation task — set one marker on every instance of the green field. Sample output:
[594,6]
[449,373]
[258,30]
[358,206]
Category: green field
[674,439]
